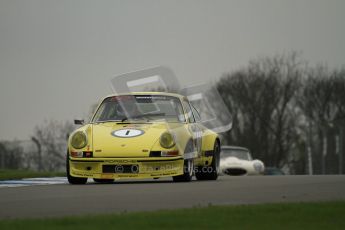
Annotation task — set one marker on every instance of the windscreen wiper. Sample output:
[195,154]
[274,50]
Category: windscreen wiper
[143,115]
[104,121]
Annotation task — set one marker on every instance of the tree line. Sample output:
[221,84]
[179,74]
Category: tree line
[287,113]
[44,151]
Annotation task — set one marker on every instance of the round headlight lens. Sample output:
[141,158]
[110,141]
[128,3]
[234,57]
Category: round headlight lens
[78,140]
[258,167]
[167,140]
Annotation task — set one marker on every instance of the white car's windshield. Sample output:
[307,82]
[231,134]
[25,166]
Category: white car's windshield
[238,153]
[140,107]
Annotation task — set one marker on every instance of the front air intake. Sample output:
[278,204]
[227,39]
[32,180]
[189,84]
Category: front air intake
[155,153]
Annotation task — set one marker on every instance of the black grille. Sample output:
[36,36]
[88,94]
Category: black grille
[120,169]
[155,153]
[235,171]
[87,154]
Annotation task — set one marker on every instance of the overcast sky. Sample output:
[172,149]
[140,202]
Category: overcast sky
[57,57]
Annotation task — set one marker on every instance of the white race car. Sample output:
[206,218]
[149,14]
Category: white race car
[237,161]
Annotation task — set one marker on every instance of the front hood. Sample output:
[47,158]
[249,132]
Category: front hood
[251,167]
[235,162]
[113,139]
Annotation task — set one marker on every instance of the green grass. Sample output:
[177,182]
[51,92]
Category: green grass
[323,215]
[11,174]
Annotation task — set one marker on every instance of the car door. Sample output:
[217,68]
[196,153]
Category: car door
[194,128]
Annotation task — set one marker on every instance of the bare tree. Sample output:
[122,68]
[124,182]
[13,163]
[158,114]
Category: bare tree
[11,155]
[52,137]
[261,98]
[323,103]
[3,152]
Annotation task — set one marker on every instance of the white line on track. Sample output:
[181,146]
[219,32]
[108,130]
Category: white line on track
[33,181]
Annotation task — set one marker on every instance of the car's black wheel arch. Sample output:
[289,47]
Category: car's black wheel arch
[210,172]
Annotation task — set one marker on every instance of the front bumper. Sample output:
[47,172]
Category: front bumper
[115,168]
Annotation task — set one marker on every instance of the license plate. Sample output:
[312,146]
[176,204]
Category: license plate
[120,169]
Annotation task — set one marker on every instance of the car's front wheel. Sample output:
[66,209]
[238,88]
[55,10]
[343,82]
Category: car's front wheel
[72,179]
[188,167]
[210,172]
[187,172]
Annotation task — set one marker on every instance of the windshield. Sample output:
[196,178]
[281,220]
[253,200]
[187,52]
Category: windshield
[238,153]
[140,107]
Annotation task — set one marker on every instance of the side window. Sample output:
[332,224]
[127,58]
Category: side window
[196,114]
[188,111]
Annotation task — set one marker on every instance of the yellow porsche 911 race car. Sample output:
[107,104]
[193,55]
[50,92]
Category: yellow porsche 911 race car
[143,135]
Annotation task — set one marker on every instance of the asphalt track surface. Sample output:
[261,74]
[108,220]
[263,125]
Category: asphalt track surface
[124,196]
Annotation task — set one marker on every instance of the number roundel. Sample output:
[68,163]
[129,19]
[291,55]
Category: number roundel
[127,133]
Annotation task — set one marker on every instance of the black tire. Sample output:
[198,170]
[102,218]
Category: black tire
[72,179]
[187,172]
[103,181]
[188,167]
[210,172]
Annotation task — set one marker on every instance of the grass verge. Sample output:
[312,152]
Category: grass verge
[11,174]
[322,215]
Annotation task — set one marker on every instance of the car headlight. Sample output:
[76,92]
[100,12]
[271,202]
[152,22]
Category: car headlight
[167,140]
[258,167]
[78,140]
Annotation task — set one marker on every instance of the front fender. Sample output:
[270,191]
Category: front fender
[208,140]
[182,136]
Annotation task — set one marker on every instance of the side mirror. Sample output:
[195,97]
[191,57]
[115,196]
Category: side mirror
[78,122]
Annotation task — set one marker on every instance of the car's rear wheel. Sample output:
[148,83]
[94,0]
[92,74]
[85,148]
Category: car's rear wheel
[210,172]
[188,167]
[103,181]
[72,179]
